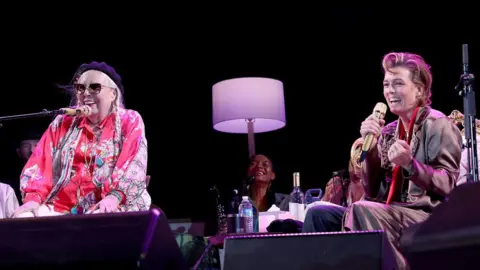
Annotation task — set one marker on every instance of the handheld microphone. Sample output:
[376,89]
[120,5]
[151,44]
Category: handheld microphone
[251,180]
[379,112]
[247,183]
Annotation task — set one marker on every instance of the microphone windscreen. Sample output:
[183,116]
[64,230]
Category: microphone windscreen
[380,110]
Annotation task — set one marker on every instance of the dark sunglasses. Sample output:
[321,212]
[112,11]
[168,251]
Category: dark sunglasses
[93,88]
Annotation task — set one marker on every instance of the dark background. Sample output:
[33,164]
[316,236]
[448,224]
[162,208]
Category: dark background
[335,53]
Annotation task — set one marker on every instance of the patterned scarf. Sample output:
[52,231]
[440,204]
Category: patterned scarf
[396,185]
[63,154]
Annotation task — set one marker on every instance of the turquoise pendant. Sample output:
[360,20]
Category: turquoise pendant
[99,162]
[76,210]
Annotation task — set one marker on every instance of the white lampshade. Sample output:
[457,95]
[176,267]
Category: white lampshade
[260,99]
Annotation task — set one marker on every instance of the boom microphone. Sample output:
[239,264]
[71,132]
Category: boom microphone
[79,111]
[379,112]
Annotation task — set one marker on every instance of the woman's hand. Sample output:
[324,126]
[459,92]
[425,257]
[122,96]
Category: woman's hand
[109,204]
[30,206]
[400,154]
[372,125]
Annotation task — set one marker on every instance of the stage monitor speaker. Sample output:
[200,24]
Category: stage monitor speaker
[304,251]
[450,237]
[131,240]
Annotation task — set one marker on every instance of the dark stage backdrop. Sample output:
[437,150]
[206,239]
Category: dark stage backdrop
[330,88]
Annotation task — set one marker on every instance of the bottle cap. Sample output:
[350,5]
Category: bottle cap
[245,198]
[296,179]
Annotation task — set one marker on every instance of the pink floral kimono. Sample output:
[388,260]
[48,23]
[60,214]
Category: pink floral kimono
[74,165]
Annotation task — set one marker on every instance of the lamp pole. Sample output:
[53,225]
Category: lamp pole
[251,137]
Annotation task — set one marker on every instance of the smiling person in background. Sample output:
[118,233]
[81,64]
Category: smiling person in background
[95,161]
[260,192]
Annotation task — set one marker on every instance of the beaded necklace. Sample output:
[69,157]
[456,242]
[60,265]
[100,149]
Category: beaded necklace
[77,208]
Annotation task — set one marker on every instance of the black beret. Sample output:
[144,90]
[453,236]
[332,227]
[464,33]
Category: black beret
[103,67]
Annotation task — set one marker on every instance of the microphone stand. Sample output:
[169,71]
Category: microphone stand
[43,113]
[469,107]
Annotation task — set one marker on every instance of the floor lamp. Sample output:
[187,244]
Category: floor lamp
[248,105]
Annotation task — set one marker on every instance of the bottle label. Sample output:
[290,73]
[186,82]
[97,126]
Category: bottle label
[297,210]
[246,220]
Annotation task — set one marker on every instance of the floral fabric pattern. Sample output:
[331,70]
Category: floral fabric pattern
[76,165]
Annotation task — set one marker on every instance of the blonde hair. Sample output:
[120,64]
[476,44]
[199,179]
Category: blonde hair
[420,73]
[458,119]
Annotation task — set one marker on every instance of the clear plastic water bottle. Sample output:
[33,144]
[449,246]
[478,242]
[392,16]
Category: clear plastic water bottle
[245,211]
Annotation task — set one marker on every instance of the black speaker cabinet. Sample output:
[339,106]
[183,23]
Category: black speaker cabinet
[133,240]
[302,251]
[450,237]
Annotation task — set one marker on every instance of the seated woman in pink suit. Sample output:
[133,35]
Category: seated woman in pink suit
[94,162]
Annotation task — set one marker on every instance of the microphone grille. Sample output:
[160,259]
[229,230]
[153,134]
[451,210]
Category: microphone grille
[380,110]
